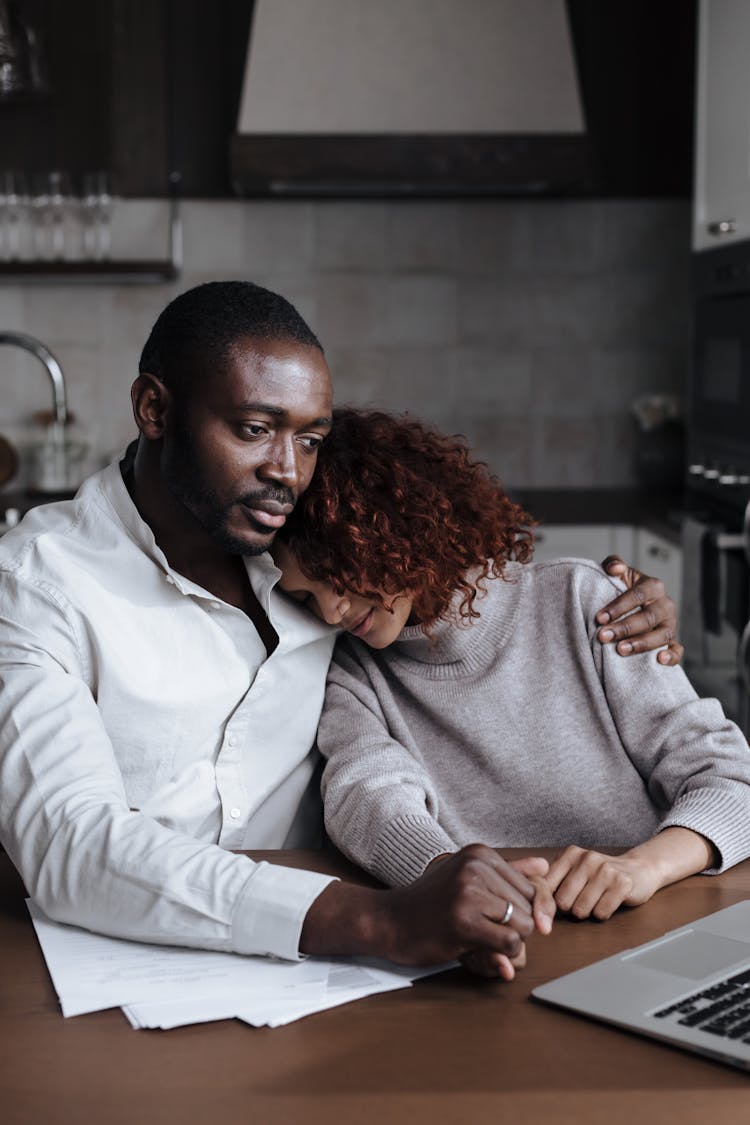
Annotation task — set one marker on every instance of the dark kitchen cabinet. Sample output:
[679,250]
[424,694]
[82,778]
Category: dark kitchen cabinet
[144,88]
[636,70]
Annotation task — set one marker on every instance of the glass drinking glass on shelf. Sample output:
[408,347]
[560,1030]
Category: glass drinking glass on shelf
[42,242]
[96,214]
[60,197]
[13,204]
[50,202]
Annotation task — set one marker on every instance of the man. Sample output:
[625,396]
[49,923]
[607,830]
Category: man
[158,699]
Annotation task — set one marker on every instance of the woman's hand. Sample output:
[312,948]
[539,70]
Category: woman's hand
[543,907]
[652,625]
[589,884]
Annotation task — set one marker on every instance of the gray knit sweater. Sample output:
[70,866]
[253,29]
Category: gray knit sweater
[522,730]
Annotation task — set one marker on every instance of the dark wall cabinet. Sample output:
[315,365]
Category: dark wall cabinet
[143,88]
[636,69]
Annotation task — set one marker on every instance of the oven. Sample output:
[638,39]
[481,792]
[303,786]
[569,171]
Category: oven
[716,529]
[718,406]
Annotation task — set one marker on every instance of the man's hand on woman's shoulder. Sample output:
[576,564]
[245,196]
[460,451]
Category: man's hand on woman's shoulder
[641,619]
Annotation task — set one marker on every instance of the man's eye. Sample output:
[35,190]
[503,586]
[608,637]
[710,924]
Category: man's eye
[311,442]
[253,429]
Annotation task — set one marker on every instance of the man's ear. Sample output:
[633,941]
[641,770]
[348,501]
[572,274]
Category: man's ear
[152,401]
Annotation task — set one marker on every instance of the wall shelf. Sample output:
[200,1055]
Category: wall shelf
[106,271]
[94,273]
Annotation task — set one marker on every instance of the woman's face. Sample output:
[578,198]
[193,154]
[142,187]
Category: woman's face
[364,618]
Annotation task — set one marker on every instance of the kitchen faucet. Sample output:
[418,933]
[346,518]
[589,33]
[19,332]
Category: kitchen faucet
[52,367]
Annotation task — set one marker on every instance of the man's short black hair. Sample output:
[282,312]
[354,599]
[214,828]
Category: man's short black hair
[202,324]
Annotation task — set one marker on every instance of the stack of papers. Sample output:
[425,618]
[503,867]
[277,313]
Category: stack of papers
[160,986]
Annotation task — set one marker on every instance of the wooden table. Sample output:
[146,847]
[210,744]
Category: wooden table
[452,1050]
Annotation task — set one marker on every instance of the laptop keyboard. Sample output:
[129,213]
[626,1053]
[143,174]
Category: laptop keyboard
[723,1009]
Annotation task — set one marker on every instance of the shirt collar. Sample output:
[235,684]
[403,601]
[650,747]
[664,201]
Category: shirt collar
[261,569]
[110,484]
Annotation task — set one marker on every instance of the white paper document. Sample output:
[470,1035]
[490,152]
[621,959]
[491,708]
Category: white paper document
[160,986]
[91,971]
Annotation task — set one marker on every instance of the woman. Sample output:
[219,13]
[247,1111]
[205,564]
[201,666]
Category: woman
[470,700]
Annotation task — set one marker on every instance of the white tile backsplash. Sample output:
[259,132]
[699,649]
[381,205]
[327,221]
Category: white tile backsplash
[527,325]
[420,310]
[423,237]
[350,236]
[278,237]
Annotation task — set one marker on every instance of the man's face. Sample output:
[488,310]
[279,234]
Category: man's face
[242,441]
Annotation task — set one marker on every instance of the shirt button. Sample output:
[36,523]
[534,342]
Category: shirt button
[232,740]
[170,580]
[215,605]
[235,814]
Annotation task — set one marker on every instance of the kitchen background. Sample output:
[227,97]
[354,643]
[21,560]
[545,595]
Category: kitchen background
[528,284]
[527,313]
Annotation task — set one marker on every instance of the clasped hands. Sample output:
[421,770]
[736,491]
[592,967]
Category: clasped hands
[585,883]
[579,881]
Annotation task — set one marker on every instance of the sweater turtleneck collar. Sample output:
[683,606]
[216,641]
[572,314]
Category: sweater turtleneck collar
[473,644]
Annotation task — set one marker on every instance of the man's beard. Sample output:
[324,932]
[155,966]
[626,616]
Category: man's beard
[185,481]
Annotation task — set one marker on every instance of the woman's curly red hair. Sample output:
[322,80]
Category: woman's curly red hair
[395,507]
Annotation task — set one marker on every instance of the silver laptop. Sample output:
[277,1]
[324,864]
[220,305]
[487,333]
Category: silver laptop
[690,987]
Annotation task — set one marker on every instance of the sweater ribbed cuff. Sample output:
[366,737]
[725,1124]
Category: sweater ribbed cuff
[720,814]
[406,846]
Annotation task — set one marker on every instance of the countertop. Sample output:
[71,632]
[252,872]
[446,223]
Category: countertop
[660,512]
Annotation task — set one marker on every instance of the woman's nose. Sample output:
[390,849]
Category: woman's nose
[334,607]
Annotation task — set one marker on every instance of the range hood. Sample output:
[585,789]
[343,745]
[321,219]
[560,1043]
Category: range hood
[395,97]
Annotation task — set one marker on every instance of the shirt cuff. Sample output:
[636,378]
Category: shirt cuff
[271,909]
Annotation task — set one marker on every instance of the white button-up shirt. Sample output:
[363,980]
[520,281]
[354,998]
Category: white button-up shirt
[144,733]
